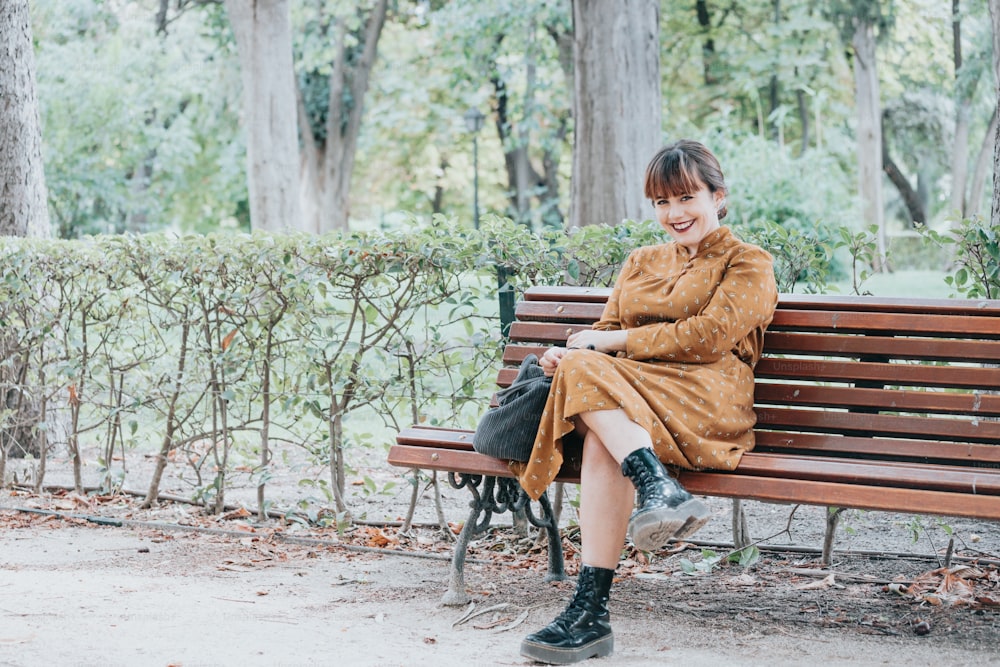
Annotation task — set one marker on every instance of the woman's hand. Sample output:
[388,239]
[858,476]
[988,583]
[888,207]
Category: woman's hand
[602,341]
[551,359]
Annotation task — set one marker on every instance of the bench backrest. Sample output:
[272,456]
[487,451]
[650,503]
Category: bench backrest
[892,379]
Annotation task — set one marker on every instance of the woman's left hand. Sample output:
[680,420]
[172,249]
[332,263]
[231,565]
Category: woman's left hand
[602,341]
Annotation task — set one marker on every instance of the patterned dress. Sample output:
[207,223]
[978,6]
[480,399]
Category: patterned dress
[695,331]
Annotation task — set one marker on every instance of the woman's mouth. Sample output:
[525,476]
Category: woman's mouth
[682,226]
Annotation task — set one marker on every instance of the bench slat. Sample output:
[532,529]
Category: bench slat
[845,303]
[893,347]
[822,444]
[887,400]
[876,425]
[914,375]
[956,479]
[886,323]
[842,495]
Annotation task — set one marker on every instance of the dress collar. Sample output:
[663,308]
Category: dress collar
[715,240]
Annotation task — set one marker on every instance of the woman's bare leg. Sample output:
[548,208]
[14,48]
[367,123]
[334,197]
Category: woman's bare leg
[606,501]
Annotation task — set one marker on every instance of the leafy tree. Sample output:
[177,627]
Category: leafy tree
[141,129]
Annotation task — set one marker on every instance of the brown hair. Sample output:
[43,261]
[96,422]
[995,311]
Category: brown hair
[682,167]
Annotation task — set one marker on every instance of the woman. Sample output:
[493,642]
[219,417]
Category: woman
[665,377]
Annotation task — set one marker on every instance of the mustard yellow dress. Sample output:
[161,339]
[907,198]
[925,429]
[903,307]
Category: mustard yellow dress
[695,331]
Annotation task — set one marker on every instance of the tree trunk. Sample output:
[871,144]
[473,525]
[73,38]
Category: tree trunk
[616,108]
[23,212]
[978,185]
[963,114]
[23,207]
[995,209]
[911,198]
[327,165]
[869,131]
[264,42]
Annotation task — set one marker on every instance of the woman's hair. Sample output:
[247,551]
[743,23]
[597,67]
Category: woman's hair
[681,168]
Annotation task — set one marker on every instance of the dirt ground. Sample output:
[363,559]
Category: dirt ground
[173,586]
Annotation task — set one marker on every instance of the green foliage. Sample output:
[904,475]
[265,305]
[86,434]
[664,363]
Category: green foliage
[800,258]
[140,131]
[975,245]
[863,248]
[710,560]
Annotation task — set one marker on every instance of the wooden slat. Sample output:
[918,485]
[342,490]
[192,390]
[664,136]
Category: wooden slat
[882,400]
[559,311]
[910,375]
[842,495]
[544,332]
[877,322]
[863,304]
[857,423]
[844,303]
[567,293]
[932,477]
[895,347]
[824,444]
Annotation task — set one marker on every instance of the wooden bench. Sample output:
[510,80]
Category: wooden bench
[862,402]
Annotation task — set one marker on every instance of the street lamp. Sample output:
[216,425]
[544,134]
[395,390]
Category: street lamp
[474,122]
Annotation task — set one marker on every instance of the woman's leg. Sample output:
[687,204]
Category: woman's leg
[665,509]
[606,501]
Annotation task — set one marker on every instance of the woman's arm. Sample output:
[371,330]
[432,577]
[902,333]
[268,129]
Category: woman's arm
[743,301]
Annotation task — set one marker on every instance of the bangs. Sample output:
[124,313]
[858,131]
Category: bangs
[673,175]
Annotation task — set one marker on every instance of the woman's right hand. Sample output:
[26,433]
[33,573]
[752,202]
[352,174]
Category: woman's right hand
[551,359]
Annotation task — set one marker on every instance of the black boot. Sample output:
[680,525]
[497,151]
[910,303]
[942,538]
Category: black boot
[583,630]
[665,508]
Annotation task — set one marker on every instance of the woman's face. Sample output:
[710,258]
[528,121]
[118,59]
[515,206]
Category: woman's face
[691,216]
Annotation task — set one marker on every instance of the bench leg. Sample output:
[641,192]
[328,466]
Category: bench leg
[498,495]
[557,567]
[480,504]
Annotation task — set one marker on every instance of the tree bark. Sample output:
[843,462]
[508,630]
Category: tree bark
[869,131]
[978,185]
[963,116]
[326,166]
[23,212]
[995,16]
[616,108]
[264,42]
[23,206]
[910,196]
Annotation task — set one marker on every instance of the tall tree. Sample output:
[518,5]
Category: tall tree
[23,211]
[965,91]
[860,22]
[617,105]
[264,42]
[995,16]
[330,108]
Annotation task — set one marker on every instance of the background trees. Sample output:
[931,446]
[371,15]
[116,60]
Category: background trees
[145,129]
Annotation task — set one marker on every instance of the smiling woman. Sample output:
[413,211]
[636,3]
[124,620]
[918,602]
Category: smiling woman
[664,377]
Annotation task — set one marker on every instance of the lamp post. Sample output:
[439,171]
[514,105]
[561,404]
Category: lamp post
[474,122]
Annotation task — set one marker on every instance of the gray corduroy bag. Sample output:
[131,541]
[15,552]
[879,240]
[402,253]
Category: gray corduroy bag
[508,430]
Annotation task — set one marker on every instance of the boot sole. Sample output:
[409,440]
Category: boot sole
[553,655]
[652,529]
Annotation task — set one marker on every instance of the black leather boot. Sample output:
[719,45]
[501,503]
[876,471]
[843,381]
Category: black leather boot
[665,509]
[583,630]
